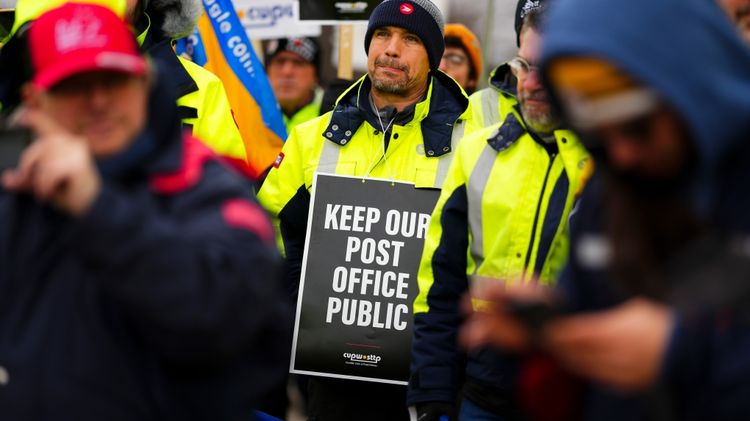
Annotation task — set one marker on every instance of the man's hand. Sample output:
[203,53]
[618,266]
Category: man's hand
[57,167]
[622,347]
[490,320]
[435,411]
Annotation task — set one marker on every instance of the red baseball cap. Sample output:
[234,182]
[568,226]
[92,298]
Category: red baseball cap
[76,38]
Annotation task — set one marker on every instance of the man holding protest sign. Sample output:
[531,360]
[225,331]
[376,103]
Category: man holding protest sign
[399,122]
[502,215]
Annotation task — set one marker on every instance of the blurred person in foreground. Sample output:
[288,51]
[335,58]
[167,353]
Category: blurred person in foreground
[657,282]
[462,59]
[502,215]
[137,274]
[202,101]
[292,66]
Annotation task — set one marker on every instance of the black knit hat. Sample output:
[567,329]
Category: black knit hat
[420,17]
[523,8]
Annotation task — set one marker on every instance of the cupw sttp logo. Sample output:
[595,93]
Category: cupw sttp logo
[371,360]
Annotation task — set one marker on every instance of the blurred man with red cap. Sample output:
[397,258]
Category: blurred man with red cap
[134,282]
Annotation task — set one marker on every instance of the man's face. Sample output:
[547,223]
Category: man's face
[653,146]
[397,62]
[535,106]
[455,63]
[739,13]
[108,109]
[292,78]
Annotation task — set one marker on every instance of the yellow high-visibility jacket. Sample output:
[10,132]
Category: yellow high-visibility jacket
[201,99]
[306,113]
[490,105]
[350,141]
[502,214]
[212,121]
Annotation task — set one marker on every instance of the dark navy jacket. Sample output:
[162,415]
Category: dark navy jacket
[706,370]
[159,303]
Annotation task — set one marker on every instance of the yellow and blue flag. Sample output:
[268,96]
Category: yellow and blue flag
[221,45]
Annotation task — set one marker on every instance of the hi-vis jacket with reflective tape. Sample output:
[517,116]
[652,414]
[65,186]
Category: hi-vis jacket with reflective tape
[502,214]
[490,105]
[347,141]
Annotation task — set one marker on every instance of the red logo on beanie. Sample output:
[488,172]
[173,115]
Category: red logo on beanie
[406,9]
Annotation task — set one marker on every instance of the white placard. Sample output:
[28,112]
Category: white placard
[270,19]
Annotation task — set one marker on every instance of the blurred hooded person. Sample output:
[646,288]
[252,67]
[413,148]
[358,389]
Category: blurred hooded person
[657,277]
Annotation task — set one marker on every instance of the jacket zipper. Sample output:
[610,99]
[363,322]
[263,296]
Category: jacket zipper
[536,217]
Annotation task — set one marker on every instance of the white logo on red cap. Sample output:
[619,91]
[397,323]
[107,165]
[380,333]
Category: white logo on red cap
[82,31]
[406,9]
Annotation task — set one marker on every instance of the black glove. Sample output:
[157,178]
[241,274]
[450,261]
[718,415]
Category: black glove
[432,411]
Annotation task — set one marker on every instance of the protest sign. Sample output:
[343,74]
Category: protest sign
[270,19]
[359,278]
[336,11]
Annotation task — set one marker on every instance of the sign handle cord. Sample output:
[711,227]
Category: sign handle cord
[382,145]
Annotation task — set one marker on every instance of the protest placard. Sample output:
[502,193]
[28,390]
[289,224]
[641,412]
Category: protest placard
[336,11]
[359,278]
[271,19]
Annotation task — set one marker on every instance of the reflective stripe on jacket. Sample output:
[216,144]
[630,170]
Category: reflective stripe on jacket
[490,105]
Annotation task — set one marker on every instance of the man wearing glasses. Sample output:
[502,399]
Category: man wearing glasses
[501,217]
[462,59]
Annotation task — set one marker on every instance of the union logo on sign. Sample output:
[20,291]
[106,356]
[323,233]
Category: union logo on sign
[406,9]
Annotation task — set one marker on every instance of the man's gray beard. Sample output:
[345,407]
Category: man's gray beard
[397,88]
[541,123]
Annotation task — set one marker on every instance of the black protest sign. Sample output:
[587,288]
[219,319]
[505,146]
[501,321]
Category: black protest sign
[336,10]
[359,278]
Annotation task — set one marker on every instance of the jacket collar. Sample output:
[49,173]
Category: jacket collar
[502,79]
[513,128]
[159,47]
[445,103]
